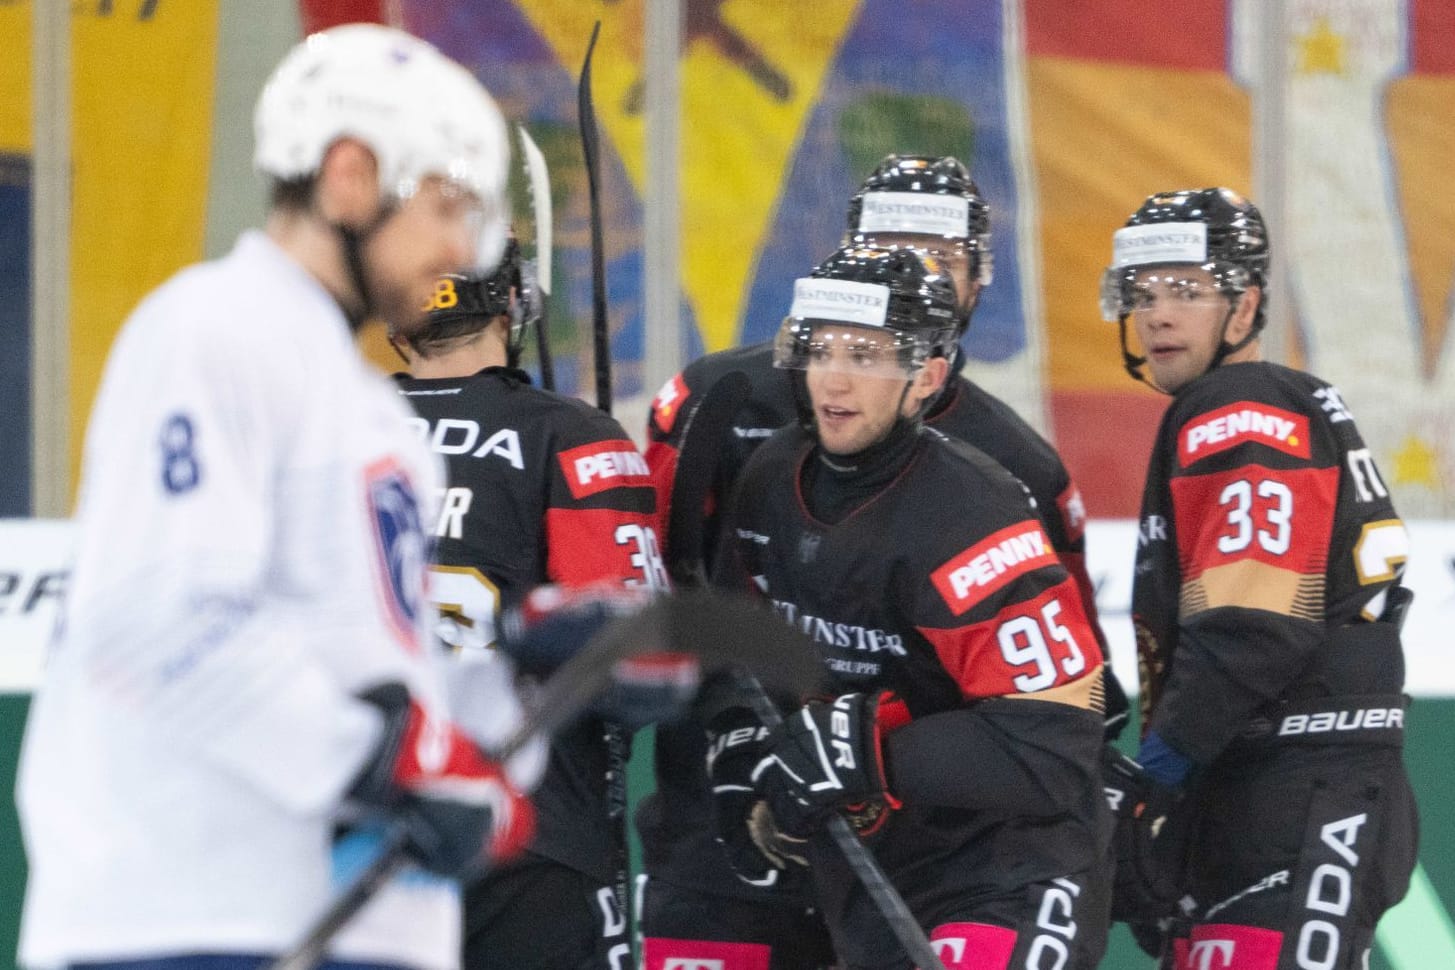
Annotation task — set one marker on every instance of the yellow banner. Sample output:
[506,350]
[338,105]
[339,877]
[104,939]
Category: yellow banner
[751,72]
[1096,161]
[15,79]
[142,90]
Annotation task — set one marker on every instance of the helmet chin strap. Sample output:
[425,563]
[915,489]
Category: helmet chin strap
[946,389]
[1131,361]
[353,241]
[1134,364]
[1226,349]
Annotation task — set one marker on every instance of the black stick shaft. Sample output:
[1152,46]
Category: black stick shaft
[310,950]
[543,347]
[600,331]
[614,735]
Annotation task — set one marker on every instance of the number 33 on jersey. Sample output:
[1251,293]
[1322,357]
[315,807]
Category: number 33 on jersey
[1259,504]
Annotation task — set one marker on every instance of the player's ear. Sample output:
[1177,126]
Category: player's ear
[348,184]
[927,381]
[1244,313]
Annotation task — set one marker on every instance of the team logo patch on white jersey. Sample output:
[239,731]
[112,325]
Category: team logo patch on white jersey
[992,563]
[1230,426]
[604,465]
[401,545]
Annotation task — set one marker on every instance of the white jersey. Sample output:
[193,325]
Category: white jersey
[250,557]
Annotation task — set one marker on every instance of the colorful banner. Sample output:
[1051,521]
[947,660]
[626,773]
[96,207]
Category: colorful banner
[15,178]
[1069,115]
[783,115]
[529,55]
[15,335]
[142,83]
[1122,106]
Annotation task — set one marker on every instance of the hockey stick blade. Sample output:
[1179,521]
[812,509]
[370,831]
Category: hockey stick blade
[703,432]
[539,180]
[734,633]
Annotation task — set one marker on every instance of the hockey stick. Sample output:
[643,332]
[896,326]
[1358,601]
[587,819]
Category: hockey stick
[718,630]
[614,735]
[697,464]
[539,180]
[601,337]
[703,431]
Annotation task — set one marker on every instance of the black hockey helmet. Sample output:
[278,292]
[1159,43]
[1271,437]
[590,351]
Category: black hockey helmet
[884,204]
[464,304]
[894,298]
[1215,228]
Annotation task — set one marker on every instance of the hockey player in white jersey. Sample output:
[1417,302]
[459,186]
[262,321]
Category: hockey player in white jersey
[244,653]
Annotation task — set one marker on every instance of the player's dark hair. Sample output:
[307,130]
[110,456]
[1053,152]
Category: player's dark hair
[292,195]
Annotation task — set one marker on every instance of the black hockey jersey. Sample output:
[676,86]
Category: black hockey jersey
[969,413]
[964,611]
[675,822]
[542,488]
[768,408]
[1266,536]
[966,412]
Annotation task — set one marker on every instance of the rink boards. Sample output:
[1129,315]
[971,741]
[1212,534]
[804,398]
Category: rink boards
[1418,935]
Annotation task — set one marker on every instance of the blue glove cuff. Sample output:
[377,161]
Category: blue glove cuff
[1162,762]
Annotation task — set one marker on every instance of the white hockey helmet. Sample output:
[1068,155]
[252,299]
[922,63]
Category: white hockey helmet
[419,112]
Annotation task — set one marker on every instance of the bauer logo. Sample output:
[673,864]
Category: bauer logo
[932,215]
[991,564]
[1245,421]
[1165,242]
[603,465]
[866,304]
[1325,722]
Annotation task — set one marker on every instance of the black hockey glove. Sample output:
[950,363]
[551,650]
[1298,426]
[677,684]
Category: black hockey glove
[734,746]
[461,812]
[1148,843]
[827,756]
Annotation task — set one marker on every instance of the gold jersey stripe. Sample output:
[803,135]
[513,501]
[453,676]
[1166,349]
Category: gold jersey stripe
[1255,585]
[1087,691]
